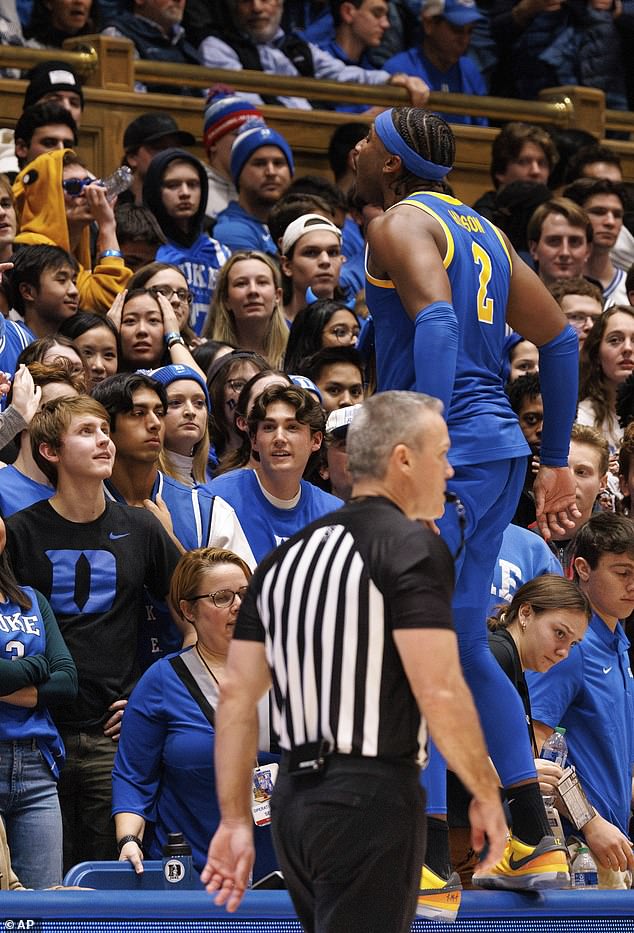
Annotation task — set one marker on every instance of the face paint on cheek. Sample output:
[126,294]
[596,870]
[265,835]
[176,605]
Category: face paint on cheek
[230,403]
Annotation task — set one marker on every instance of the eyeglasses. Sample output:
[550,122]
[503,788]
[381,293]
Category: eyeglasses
[341,332]
[75,186]
[222,599]
[167,291]
[580,317]
[236,385]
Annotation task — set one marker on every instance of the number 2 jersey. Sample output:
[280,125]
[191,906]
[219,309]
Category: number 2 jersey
[481,422]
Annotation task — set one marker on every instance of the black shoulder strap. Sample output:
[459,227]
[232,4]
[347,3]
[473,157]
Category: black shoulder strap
[188,679]
[297,50]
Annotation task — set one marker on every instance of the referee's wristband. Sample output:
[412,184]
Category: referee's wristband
[107,253]
[129,838]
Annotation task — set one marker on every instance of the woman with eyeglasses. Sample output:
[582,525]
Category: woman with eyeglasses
[164,773]
[246,310]
[325,323]
[242,456]
[226,379]
[168,280]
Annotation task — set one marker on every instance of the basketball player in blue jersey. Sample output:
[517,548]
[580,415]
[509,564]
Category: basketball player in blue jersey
[442,285]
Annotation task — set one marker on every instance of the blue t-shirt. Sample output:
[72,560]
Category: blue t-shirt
[591,694]
[522,557]
[461,78]
[352,275]
[14,337]
[23,634]
[18,491]
[330,45]
[265,526]
[164,767]
[238,230]
[481,422]
[200,264]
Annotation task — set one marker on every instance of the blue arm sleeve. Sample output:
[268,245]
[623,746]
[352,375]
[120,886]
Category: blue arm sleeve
[436,350]
[558,377]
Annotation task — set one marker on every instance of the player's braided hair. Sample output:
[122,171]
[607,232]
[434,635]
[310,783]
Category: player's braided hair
[429,136]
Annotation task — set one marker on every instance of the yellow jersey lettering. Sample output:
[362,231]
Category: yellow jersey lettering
[467,222]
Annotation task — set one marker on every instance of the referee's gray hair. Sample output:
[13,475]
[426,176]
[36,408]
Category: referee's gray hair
[382,422]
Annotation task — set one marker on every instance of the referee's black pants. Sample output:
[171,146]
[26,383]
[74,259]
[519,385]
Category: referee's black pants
[351,843]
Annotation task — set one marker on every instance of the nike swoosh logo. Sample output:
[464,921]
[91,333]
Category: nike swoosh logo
[606,670]
[114,537]
[518,863]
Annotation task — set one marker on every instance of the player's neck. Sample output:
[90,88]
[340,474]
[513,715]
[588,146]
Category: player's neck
[134,480]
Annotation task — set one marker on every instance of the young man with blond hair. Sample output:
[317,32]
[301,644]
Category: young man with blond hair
[91,558]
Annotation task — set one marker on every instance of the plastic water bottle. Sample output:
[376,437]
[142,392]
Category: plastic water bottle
[584,870]
[555,749]
[118,182]
[178,872]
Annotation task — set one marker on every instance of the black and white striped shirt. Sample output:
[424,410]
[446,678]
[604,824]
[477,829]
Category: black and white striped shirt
[325,604]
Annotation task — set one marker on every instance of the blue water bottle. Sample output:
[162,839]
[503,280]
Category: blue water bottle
[178,872]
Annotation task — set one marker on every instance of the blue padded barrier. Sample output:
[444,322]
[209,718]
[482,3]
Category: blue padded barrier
[153,911]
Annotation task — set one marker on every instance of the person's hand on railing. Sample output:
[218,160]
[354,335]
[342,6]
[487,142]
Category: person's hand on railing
[416,88]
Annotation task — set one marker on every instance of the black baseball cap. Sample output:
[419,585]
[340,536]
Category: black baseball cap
[152,126]
[51,76]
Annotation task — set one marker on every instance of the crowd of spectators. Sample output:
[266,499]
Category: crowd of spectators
[189,354]
[505,47]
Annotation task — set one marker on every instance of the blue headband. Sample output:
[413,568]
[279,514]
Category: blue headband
[394,143]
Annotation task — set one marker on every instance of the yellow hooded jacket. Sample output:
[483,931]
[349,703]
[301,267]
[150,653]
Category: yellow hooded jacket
[42,218]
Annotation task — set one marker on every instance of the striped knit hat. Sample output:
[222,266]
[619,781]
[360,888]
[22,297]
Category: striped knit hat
[224,113]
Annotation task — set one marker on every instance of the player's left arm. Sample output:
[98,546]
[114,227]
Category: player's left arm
[534,313]
[408,247]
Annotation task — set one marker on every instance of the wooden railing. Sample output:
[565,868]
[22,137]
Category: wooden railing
[110,71]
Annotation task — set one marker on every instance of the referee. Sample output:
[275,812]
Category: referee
[349,621]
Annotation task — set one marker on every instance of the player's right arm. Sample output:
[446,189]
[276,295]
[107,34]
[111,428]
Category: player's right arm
[407,246]
[534,313]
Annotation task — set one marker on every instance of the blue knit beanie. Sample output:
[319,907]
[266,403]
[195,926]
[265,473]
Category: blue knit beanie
[254,138]
[175,371]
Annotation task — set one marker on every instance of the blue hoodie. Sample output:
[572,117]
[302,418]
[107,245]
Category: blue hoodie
[197,255]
